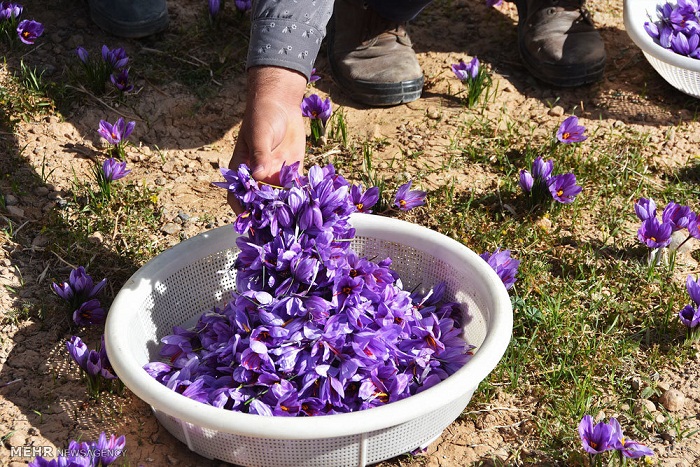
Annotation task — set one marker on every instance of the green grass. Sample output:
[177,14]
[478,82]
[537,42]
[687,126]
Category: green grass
[589,314]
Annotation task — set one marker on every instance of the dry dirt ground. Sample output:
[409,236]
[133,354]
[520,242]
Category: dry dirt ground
[183,139]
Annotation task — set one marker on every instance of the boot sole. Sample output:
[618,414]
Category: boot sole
[130,30]
[562,76]
[380,94]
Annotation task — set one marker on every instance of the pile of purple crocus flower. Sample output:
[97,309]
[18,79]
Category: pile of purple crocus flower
[101,453]
[313,328]
[27,30]
[601,437]
[677,27]
[540,184]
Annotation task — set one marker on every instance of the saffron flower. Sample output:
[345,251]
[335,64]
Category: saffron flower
[407,199]
[570,131]
[597,438]
[109,448]
[541,169]
[114,169]
[78,351]
[314,108]
[10,11]
[526,181]
[689,316]
[319,111]
[627,447]
[474,78]
[505,266]
[645,208]
[313,77]
[654,234]
[564,188]
[243,5]
[79,288]
[117,133]
[82,54]
[120,80]
[678,216]
[89,313]
[116,58]
[364,200]
[29,30]
[214,7]
[466,71]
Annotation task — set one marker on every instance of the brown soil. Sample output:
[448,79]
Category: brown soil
[184,138]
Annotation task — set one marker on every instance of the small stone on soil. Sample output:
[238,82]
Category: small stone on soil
[673,400]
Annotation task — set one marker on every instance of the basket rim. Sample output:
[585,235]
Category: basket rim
[635,14]
[169,402]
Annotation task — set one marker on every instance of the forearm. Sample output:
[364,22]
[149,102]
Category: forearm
[288,33]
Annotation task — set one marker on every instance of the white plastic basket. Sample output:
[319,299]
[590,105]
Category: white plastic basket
[178,285]
[681,72]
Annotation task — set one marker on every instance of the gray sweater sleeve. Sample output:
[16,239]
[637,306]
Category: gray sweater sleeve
[288,33]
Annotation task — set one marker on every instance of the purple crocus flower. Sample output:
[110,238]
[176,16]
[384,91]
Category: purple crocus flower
[645,208]
[29,30]
[466,71]
[677,215]
[109,448]
[541,169]
[693,288]
[120,80]
[82,54]
[78,351]
[113,169]
[494,3]
[41,462]
[314,108]
[79,288]
[655,234]
[526,181]
[628,448]
[570,131]
[364,200]
[313,77]
[597,438]
[505,266]
[563,188]
[407,199]
[115,58]
[10,11]
[214,7]
[690,316]
[243,5]
[117,133]
[89,313]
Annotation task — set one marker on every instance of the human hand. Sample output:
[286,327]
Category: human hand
[272,132]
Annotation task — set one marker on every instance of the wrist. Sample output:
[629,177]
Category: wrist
[275,83]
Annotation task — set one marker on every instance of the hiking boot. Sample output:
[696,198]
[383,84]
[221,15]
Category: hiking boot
[130,18]
[372,58]
[559,43]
